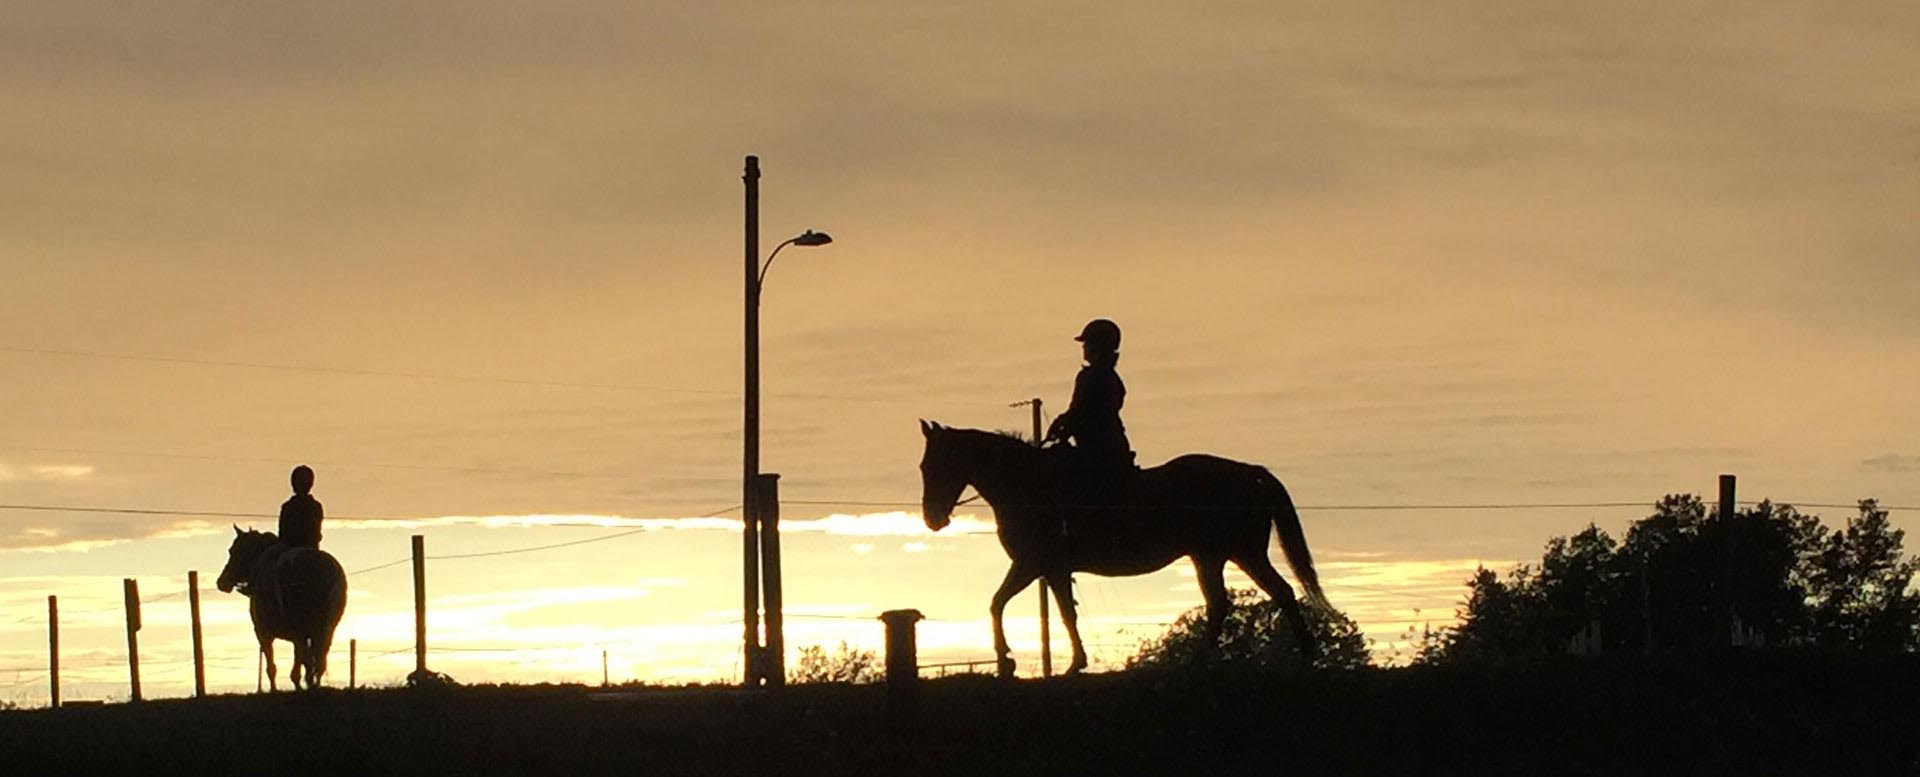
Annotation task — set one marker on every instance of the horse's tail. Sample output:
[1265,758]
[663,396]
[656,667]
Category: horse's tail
[1293,539]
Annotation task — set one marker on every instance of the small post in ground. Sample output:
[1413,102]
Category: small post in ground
[131,589]
[53,651]
[419,610]
[903,671]
[199,652]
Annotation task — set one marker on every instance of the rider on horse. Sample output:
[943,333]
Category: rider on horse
[1100,456]
[301,515]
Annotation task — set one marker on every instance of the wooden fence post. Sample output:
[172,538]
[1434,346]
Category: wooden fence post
[199,652]
[131,589]
[1729,623]
[53,651]
[353,663]
[420,606]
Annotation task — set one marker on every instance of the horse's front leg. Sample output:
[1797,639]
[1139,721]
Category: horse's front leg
[1018,577]
[1062,585]
[273,672]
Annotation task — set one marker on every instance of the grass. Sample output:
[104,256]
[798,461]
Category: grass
[1730,713]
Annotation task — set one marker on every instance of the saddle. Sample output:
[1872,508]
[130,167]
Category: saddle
[1090,483]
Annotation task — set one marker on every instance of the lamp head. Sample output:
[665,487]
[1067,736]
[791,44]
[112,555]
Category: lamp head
[812,238]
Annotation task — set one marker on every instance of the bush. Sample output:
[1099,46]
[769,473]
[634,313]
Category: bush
[1256,632]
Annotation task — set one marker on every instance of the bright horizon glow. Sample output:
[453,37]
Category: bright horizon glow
[498,623]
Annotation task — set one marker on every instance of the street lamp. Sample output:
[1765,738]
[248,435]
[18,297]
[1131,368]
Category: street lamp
[757,489]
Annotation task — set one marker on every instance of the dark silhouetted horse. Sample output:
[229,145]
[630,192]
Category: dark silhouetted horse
[1211,509]
[295,594]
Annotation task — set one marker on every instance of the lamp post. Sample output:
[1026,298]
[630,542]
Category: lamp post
[757,669]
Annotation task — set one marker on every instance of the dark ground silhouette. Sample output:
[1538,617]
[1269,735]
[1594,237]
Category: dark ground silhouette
[1733,713]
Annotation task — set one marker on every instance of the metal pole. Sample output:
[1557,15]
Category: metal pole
[1046,625]
[199,652]
[131,589]
[750,458]
[776,652]
[420,605]
[53,651]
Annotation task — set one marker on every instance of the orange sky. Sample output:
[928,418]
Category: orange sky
[1470,252]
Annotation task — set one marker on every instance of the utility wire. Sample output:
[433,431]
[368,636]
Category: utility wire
[884,503]
[570,543]
[378,567]
[452,377]
[284,460]
[19,683]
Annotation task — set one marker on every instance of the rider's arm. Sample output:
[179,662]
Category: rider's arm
[1063,426]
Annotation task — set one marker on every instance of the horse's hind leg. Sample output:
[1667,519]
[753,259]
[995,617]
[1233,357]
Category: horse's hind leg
[1211,573]
[297,675]
[1018,577]
[317,656]
[1062,585]
[1269,580]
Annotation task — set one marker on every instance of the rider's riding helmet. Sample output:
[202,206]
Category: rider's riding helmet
[1101,333]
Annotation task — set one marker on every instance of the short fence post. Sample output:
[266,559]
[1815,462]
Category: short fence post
[903,671]
[131,588]
[604,677]
[199,652]
[419,607]
[53,651]
[353,663]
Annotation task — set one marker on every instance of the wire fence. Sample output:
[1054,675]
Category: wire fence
[95,673]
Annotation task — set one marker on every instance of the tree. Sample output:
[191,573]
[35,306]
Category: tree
[1862,590]
[1256,631]
[1686,579]
[846,665]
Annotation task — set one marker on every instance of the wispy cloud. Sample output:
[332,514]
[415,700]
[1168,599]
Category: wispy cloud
[1893,462]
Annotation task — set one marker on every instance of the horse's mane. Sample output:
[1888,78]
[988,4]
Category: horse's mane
[993,444]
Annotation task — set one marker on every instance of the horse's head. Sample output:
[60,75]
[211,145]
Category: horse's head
[942,475]
[241,555]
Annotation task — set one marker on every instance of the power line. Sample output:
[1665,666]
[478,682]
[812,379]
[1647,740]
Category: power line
[284,460]
[457,378]
[17,684]
[378,567]
[1351,507]
[570,543]
[902,503]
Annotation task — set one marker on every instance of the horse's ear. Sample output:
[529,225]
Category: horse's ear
[926,429]
[236,530]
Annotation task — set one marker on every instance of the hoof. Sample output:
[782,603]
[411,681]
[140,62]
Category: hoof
[1005,668]
[1076,668]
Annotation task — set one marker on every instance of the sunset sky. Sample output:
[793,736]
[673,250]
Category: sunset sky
[479,265]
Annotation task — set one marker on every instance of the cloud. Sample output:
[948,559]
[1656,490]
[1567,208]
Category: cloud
[1893,462]
[62,472]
